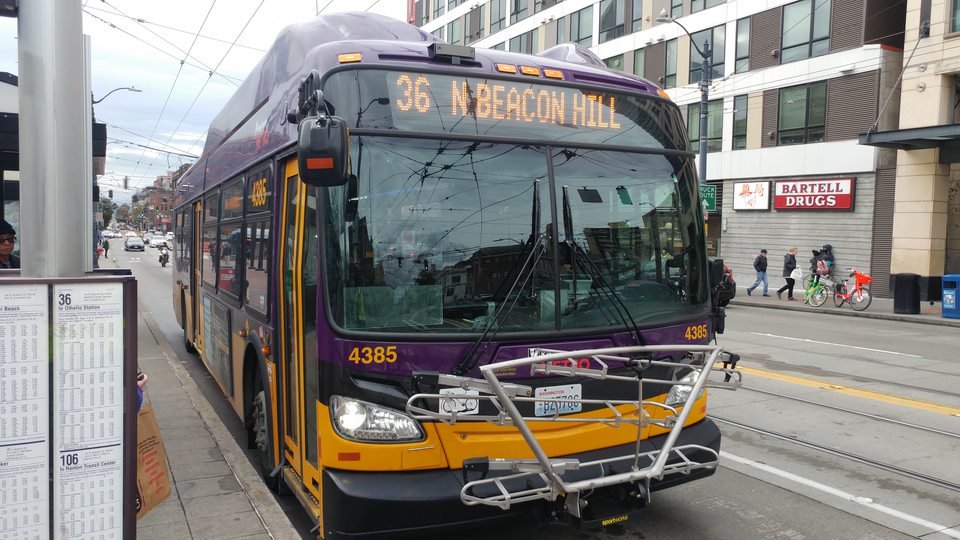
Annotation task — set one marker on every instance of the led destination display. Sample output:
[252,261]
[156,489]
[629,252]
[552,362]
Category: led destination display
[527,108]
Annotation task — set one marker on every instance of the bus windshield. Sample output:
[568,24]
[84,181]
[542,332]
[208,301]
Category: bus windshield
[437,236]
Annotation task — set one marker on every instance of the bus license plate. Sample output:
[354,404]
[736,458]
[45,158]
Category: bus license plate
[566,391]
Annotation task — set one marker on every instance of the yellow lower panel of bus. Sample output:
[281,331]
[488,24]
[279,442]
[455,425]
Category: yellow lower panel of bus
[449,446]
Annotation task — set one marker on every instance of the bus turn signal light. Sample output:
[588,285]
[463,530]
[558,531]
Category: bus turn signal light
[349,58]
[530,70]
[320,163]
[349,456]
[266,350]
[553,73]
[663,94]
[506,68]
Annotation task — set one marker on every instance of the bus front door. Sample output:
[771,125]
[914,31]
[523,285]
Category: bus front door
[193,318]
[298,260]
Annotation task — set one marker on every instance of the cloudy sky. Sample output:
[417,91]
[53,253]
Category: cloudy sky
[142,44]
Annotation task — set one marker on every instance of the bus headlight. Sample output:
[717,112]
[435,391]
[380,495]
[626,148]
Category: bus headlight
[681,391]
[362,421]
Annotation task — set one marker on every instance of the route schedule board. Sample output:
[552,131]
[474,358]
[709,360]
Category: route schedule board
[67,408]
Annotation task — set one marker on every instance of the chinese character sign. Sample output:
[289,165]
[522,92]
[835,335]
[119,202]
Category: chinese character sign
[751,195]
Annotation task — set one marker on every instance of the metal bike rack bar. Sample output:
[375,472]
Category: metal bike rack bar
[542,478]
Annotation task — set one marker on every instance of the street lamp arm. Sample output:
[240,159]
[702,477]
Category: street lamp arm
[130,88]
[693,42]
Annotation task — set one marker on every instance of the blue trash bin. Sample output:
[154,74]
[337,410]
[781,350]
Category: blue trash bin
[951,304]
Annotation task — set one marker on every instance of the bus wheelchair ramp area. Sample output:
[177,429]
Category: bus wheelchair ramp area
[620,482]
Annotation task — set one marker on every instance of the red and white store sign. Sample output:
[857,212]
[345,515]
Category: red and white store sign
[829,194]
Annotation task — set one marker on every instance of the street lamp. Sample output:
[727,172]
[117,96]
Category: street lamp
[130,88]
[704,89]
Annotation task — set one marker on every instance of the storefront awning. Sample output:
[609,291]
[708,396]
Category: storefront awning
[945,138]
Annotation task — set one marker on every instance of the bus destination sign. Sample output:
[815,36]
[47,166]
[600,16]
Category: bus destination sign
[502,101]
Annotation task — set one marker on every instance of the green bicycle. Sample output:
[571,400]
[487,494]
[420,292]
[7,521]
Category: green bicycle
[816,292]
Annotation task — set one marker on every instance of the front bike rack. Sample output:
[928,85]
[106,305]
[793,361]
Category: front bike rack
[548,479]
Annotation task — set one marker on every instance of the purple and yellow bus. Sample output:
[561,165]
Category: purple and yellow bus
[444,286]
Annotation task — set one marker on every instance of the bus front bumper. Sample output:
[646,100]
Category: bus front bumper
[414,503]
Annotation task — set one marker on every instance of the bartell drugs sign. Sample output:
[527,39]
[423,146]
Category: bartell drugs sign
[827,194]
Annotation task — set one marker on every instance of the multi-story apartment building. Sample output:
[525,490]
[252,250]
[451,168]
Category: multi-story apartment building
[794,83]
[926,220]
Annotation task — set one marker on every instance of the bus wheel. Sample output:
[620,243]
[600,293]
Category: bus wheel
[258,436]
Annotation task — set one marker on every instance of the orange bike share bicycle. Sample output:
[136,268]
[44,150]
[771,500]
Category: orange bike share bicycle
[857,296]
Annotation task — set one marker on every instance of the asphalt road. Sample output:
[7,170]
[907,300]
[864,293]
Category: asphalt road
[770,485]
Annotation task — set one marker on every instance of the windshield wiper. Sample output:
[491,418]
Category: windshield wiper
[537,248]
[575,250]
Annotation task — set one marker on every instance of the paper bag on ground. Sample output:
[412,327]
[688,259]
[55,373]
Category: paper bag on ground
[153,474]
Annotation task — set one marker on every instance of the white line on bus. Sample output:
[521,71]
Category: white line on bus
[837,345]
[864,501]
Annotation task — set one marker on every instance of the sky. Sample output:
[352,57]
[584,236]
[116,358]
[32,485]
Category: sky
[141,44]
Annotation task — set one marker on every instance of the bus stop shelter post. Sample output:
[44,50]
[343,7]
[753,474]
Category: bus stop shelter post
[53,104]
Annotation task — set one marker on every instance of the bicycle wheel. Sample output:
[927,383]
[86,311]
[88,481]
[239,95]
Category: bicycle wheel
[819,296]
[837,299]
[861,301]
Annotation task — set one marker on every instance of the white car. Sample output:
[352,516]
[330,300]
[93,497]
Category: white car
[158,241]
[170,236]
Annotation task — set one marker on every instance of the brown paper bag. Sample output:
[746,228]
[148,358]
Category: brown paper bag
[153,474]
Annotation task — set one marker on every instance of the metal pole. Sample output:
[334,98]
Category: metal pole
[54,109]
[704,101]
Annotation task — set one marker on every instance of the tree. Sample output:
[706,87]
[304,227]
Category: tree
[123,213]
[107,207]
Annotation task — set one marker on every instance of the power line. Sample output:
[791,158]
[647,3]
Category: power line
[143,21]
[222,59]
[155,149]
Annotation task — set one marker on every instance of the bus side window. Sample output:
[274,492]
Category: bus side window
[257,247]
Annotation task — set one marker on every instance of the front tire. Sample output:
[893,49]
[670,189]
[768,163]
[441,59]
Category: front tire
[258,435]
[860,301]
[819,296]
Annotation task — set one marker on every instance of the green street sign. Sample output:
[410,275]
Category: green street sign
[708,194]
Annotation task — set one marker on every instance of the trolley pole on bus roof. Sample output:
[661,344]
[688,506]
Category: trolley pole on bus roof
[705,76]
[55,135]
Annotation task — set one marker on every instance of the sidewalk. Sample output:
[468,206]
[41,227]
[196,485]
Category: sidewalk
[216,493]
[880,308]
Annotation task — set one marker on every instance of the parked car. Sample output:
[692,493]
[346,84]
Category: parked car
[133,244]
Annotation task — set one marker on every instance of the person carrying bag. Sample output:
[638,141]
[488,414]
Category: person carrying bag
[791,274]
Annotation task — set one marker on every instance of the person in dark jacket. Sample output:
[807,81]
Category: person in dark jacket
[789,264]
[8,237]
[760,265]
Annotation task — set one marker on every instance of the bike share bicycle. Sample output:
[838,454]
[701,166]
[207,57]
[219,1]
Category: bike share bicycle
[859,296]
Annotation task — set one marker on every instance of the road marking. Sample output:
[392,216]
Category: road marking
[837,345]
[864,501]
[856,392]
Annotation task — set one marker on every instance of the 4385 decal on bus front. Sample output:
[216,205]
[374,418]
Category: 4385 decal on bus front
[696,332]
[373,355]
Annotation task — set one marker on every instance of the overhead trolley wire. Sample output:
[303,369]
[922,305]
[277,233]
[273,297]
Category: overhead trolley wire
[174,85]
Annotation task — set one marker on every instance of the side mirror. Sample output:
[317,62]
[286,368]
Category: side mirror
[322,151]
[716,273]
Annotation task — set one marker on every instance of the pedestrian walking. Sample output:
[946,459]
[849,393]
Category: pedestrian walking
[106,247]
[760,265]
[789,265]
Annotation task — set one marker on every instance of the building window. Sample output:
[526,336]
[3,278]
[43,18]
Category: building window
[806,30]
[439,32]
[520,43]
[497,13]
[614,62]
[473,25]
[581,26]
[802,114]
[452,3]
[439,7]
[700,5]
[714,125]
[420,12]
[743,45]
[676,9]
[455,32]
[518,11]
[562,30]
[955,17]
[502,46]
[638,61]
[740,105]
[611,19]
[670,71]
[716,38]
[637,22]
